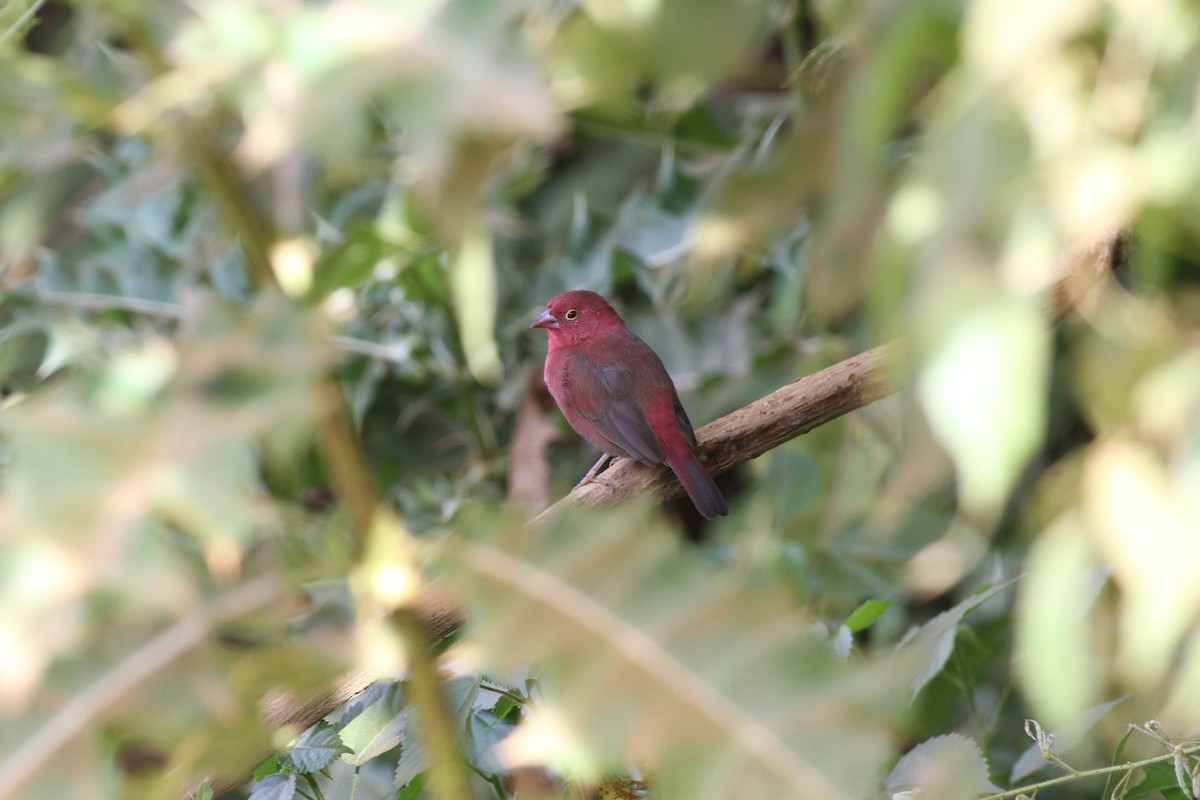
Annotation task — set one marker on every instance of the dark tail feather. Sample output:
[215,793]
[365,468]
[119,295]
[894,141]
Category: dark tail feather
[700,487]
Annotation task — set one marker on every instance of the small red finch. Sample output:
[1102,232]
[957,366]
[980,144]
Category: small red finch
[615,392]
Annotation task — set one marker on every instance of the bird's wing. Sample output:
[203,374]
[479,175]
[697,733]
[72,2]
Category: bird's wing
[601,395]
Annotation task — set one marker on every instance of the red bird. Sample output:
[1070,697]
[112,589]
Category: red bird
[616,393]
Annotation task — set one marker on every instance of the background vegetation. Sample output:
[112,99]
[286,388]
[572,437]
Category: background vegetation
[226,228]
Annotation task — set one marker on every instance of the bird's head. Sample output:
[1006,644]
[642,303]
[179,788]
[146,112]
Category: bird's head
[577,315]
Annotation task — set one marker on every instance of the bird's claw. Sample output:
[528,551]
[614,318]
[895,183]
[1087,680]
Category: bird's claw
[593,475]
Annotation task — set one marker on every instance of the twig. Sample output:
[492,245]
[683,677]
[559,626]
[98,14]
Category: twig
[1091,773]
[104,302]
[135,669]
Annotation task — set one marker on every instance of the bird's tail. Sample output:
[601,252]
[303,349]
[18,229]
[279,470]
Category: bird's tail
[699,485]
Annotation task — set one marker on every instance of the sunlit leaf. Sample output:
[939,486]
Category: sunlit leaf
[1055,638]
[984,393]
[1144,528]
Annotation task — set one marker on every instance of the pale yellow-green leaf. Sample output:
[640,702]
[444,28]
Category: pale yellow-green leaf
[983,391]
[1142,528]
[473,282]
[1057,654]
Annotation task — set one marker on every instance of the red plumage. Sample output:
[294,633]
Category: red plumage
[616,393]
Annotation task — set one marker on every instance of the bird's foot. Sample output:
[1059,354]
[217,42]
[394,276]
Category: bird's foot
[593,475]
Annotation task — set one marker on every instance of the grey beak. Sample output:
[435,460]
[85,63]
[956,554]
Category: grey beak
[546,320]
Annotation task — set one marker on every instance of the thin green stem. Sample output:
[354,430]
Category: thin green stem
[255,232]
[447,767]
[348,469]
[1090,773]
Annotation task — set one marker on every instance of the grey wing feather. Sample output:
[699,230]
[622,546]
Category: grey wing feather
[685,423]
[620,420]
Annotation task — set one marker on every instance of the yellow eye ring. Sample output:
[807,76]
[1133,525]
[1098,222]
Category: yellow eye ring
[572,314]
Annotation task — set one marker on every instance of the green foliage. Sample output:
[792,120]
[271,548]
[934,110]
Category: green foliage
[215,215]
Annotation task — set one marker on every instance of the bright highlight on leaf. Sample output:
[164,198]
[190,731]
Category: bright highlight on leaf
[983,391]
[390,575]
[473,280]
[292,261]
[1056,647]
[1149,537]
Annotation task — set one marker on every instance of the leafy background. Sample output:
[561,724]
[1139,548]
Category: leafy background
[210,210]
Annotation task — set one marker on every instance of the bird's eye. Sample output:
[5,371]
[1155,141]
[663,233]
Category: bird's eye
[572,314]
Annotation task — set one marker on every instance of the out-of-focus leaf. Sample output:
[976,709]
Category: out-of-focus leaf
[983,391]
[1057,651]
[410,769]
[610,600]
[932,643]
[605,51]
[949,767]
[473,283]
[484,731]
[349,264]
[1144,529]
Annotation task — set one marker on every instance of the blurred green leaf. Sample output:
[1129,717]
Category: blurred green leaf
[1055,641]
[983,391]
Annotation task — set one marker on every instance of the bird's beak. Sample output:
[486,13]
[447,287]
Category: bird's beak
[546,320]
